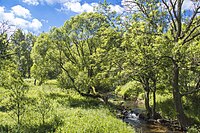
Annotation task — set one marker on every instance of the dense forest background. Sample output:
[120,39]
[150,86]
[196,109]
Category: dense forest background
[151,52]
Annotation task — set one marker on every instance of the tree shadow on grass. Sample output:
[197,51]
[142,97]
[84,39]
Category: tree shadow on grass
[167,108]
[45,128]
[70,101]
[4,129]
[49,127]
[3,108]
[86,103]
[56,95]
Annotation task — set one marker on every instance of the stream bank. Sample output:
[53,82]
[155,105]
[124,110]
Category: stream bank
[134,114]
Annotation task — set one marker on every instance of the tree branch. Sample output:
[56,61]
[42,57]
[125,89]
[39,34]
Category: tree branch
[4,56]
[76,89]
[170,13]
[178,18]
[189,39]
[174,8]
[196,89]
[191,21]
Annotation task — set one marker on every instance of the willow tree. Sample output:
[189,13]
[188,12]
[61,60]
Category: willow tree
[182,30]
[85,46]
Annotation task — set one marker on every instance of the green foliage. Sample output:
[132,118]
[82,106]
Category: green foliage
[83,49]
[43,68]
[21,45]
[130,90]
[155,49]
[43,106]
[15,97]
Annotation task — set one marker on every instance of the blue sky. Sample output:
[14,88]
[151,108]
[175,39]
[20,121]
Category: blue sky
[40,15]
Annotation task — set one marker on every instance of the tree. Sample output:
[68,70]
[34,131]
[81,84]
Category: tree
[139,61]
[17,41]
[17,94]
[4,41]
[10,77]
[43,107]
[29,40]
[181,30]
[22,46]
[43,68]
[5,50]
[84,47]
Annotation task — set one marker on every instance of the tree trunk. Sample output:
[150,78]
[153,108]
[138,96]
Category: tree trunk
[43,119]
[29,73]
[18,114]
[177,97]
[147,91]
[40,83]
[154,100]
[18,117]
[147,106]
[35,82]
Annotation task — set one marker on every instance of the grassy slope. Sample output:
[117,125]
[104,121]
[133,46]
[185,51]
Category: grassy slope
[64,111]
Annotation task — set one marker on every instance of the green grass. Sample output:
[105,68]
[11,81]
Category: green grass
[65,112]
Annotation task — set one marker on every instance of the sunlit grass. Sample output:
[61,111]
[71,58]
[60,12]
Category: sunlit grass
[65,112]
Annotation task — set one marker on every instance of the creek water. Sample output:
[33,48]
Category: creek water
[140,125]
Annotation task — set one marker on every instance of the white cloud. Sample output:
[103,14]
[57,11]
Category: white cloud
[128,5]
[31,2]
[36,2]
[5,15]
[2,9]
[188,5]
[73,5]
[77,7]
[21,11]
[116,8]
[35,25]
[59,1]
[87,8]
[22,22]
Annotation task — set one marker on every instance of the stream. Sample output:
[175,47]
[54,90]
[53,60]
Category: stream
[142,126]
[133,117]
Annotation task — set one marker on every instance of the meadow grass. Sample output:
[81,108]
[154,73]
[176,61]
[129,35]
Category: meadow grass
[51,109]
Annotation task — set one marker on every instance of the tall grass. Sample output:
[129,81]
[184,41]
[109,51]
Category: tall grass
[64,111]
